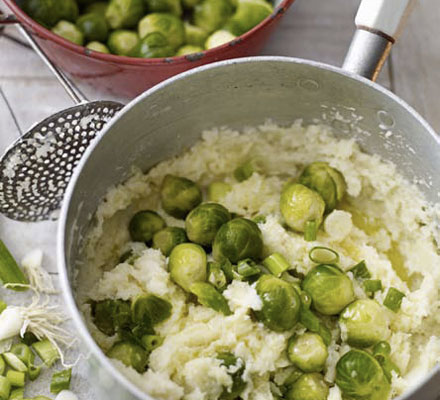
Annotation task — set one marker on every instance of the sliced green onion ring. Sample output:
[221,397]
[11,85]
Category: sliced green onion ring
[276,264]
[311,231]
[323,255]
[393,299]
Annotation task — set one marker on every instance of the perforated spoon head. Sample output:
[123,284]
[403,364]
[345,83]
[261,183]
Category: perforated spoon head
[36,169]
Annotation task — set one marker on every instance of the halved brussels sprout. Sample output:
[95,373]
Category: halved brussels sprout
[69,31]
[97,46]
[203,222]
[238,239]
[144,224]
[179,195]
[208,296]
[122,42]
[196,36]
[187,265]
[150,310]
[212,14]
[218,38]
[93,26]
[45,12]
[166,239]
[130,354]
[67,10]
[154,45]
[168,6]
[360,376]
[301,207]
[382,353]
[111,315]
[248,14]
[167,24]
[188,49]
[308,387]
[100,7]
[365,323]
[281,303]
[238,384]
[325,180]
[124,13]
[330,289]
[308,352]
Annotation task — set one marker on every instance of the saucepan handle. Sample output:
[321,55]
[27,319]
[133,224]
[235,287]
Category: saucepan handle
[378,25]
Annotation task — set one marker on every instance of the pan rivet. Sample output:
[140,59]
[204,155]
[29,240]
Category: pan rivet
[308,84]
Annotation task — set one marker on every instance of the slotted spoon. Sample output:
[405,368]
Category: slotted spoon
[36,168]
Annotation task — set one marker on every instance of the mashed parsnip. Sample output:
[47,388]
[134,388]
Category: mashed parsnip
[383,220]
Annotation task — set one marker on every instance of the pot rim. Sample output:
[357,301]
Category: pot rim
[68,295]
[213,53]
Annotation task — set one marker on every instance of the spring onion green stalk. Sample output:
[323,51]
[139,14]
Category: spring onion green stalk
[310,231]
[10,273]
[2,365]
[151,342]
[208,296]
[16,378]
[393,299]
[276,264]
[218,190]
[14,362]
[3,306]
[41,398]
[259,219]
[34,372]
[5,388]
[216,276]
[372,285]
[247,268]
[24,353]
[60,381]
[314,324]
[46,351]
[381,352]
[17,394]
[360,271]
[323,255]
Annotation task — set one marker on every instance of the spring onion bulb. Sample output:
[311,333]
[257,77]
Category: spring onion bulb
[11,322]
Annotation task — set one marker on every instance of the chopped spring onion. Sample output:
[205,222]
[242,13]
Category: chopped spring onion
[5,388]
[276,264]
[218,190]
[208,296]
[34,372]
[66,395]
[259,219]
[24,353]
[151,342]
[247,268]
[46,351]
[323,255]
[2,365]
[14,362]
[393,299]
[60,381]
[360,271]
[41,398]
[245,170]
[216,276]
[3,306]
[311,231]
[17,394]
[381,349]
[10,273]
[372,285]
[16,378]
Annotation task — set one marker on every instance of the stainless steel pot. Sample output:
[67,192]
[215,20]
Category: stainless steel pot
[169,118]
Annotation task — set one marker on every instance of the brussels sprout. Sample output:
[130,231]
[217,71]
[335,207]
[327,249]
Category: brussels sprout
[247,268]
[248,14]
[203,222]
[93,26]
[197,37]
[190,3]
[154,45]
[168,6]
[381,352]
[187,265]
[281,303]
[124,13]
[330,289]
[308,352]
[179,196]
[218,38]
[188,49]
[312,322]
[364,322]
[130,354]
[150,310]
[45,12]
[97,46]
[208,296]
[212,14]
[167,24]
[68,10]
[166,239]
[69,31]
[360,376]
[302,208]
[238,239]
[122,42]
[238,384]
[110,315]
[308,387]
[99,7]
[144,224]
[325,180]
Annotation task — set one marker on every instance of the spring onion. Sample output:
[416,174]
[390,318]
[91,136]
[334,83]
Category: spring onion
[393,299]
[61,381]
[151,342]
[323,255]
[216,276]
[247,268]
[218,190]
[259,219]
[14,362]
[34,372]
[24,353]
[276,264]
[17,394]
[310,231]
[5,388]
[372,285]
[16,378]
[29,338]
[360,271]
[39,278]
[3,306]
[41,398]
[2,365]
[11,322]
[10,273]
[46,351]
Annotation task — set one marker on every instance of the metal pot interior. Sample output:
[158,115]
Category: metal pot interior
[170,117]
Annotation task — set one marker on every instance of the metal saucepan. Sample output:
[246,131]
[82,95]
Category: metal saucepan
[169,118]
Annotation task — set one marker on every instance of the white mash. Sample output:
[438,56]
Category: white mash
[383,220]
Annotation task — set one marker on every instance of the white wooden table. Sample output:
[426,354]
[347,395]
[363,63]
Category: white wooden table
[315,29]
